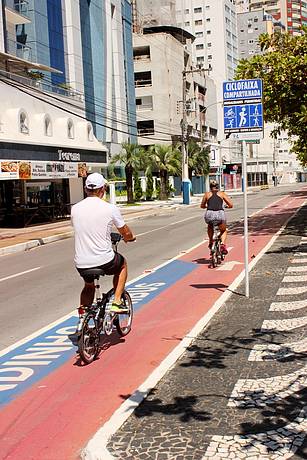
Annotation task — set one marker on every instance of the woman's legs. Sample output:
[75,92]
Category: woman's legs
[223,230]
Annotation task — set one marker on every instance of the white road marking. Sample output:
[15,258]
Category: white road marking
[295,279]
[284,306]
[297,269]
[19,274]
[292,290]
[168,225]
[284,324]
[227,266]
[299,261]
[300,254]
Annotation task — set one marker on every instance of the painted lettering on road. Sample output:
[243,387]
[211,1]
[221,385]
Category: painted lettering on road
[37,357]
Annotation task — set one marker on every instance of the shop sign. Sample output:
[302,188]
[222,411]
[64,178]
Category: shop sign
[8,170]
[53,170]
[41,170]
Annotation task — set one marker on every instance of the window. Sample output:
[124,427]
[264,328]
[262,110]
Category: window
[208,20]
[209,45]
[200,60]
[70,129]
[209,57]
[187,11]
[208,32]
[23,123]
[199,34]
[251,41]
[47,126]
[200,46]
[187,23]
[198,9]
[198,22]
[90,134]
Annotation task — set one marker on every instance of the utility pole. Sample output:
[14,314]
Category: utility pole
[184,134]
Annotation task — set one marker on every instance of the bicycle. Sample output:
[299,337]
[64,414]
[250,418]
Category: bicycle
[99,320]
[216,255]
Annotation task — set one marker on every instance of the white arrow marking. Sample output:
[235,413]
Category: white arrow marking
[227,266]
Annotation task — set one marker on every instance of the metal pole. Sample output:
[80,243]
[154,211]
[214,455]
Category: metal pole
[244,183]
[185,167]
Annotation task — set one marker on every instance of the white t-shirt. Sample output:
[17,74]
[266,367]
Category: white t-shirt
[92,219]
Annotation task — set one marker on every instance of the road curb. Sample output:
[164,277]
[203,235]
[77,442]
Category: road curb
[31,244]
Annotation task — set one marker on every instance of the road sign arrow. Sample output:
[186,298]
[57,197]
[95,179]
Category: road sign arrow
[227,266]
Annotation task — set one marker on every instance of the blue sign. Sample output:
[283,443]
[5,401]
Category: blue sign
[243,117]
[241,90]
[243,111]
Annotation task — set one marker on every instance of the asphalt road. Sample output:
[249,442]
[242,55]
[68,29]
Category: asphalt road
[41,285]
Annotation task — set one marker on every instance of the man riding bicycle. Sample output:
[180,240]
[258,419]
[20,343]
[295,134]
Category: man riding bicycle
[92,220]
[215,214]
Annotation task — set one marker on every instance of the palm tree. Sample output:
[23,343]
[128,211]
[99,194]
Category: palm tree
[131,158]
[167,159]
[199,159]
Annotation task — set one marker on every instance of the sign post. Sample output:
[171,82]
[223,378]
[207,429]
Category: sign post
[243,121]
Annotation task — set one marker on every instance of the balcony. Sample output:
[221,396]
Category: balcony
[19,50]
[43,86]
[16,12]
[141,53]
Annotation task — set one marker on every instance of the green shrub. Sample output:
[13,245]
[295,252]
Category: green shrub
[138,192]
[149,187]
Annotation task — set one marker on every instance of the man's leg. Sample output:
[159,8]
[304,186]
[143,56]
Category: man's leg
[87,294]
[119,281]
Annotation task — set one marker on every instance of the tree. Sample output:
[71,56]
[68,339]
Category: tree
[131,158]
[167,159]
[199,159]
[149,185]
[138,192]
[282,68]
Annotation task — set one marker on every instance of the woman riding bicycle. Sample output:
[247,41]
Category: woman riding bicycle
[215,214]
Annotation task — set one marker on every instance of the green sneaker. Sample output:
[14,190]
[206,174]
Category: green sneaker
[118,308]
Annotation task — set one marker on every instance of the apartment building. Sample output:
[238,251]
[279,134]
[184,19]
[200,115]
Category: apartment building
[251,25]
[67,99]
[292,13]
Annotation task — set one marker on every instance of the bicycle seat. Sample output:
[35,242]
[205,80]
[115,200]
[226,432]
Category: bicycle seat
[93,272]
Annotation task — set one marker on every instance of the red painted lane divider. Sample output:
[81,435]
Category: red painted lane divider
[55,419]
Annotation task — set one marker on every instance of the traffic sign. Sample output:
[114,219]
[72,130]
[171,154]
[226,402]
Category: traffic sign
[243,111]
[246,136]
[242,90]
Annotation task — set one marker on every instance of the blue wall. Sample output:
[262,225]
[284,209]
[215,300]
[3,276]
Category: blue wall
[129,70]
[93,27]
[56,39]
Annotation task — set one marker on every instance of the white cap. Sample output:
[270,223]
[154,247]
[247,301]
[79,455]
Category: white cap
[94,181]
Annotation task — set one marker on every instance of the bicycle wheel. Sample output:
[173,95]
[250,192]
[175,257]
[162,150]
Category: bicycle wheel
[88,344]
[214,256]
[218,254]
[123,321]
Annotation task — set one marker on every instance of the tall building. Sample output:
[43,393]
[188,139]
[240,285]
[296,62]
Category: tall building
[251,24]
[67,99]
[242,6]
[292,13]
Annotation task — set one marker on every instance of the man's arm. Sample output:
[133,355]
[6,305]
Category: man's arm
[126,233]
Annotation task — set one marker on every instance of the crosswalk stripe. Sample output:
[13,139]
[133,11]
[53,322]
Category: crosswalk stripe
[296,269]
[292,290]
[295,279]
[284,324]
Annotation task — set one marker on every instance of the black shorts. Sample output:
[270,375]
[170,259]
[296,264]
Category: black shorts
[111,268]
